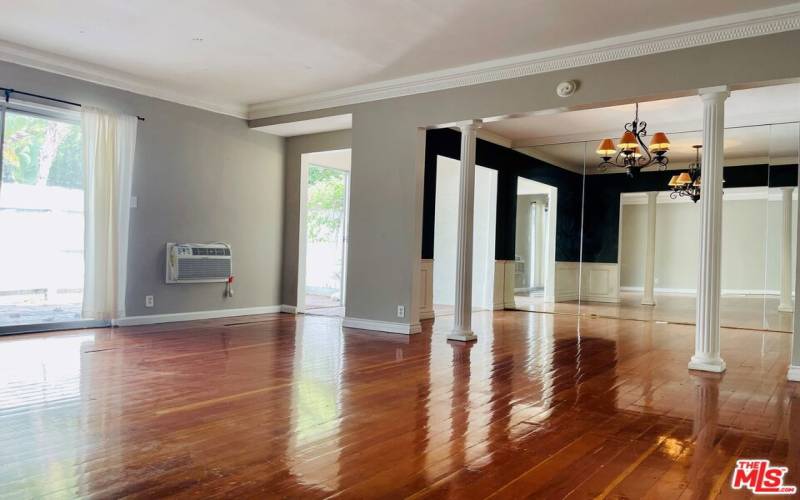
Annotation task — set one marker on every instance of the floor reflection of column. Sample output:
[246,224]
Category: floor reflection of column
[704,430]
[441,382]
[459,403]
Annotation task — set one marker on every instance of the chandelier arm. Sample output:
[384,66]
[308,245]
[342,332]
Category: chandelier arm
[646,158]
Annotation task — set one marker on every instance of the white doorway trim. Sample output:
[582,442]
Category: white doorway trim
[305,162]
[550,255]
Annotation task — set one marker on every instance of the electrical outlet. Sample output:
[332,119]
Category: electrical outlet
[148,301]
[401,311]
[134,201]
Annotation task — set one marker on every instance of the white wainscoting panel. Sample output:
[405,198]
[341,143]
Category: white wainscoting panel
[598,281]
[567,274]
[503,285]
[508,289]
[499,285]
[426,295]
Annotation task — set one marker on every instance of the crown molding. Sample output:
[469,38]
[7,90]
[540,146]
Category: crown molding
[681,36]
[32,58]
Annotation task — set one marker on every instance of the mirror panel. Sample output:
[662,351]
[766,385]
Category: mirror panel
[548,231]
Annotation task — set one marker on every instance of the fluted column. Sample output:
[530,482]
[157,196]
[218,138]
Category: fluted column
[786,304]
[462,326]
[706,345]
[648,296]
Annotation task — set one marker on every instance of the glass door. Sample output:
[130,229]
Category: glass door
[41,219]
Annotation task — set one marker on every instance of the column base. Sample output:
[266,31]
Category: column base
[646,302]
[462,336]
[794,373]
[785,309]
[707,365]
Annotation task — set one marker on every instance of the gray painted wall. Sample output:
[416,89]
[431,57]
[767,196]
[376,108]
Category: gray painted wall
[386,198]
[199,177]
[295,148]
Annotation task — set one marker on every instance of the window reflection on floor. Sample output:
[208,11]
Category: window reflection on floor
[40,397]
[316,406]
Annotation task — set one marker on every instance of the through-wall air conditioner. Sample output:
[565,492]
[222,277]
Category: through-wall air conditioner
[199,263]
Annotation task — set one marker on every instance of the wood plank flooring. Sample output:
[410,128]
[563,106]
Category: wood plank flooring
[541,406]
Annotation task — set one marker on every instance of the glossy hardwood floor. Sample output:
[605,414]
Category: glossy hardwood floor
[541,406]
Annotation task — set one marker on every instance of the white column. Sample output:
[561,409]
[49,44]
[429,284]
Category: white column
[648,298]
[462,326]
[706,346]
[786,304]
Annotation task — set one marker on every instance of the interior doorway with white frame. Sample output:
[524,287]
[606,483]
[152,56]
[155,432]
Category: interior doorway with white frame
[535,249]
[446,235]
[325,202]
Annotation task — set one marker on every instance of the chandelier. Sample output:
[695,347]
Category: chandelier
[688,183]
[633,154]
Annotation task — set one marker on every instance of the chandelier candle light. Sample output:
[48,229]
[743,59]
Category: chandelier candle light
[633,154]
[688,183]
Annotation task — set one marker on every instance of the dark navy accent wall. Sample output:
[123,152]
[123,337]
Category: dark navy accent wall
[510,165]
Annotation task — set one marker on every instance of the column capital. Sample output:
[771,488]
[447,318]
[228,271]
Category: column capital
[469,124]
[787,188]
[718,93]
[652,194]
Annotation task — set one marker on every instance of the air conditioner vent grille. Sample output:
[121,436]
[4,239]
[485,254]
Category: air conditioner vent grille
[198,269]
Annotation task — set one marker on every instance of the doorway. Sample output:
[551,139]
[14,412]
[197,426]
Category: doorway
[325,203]
[534,267]
[446,236]
[41,218]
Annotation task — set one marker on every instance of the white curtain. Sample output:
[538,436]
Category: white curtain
[109,143]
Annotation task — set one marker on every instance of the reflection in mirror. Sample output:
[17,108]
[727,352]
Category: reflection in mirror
[782,242]
[746,227]
[658,239]
[627,246]
[548,229]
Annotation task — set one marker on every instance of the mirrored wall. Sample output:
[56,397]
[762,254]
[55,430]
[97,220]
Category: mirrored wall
[592,239]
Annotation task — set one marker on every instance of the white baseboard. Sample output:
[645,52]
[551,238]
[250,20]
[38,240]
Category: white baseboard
[381,326]
[288,309]
[192,316]
[692,291]
[600,298]
[566,297]
[794,373]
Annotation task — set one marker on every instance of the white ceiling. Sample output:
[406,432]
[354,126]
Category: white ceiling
[227,55]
